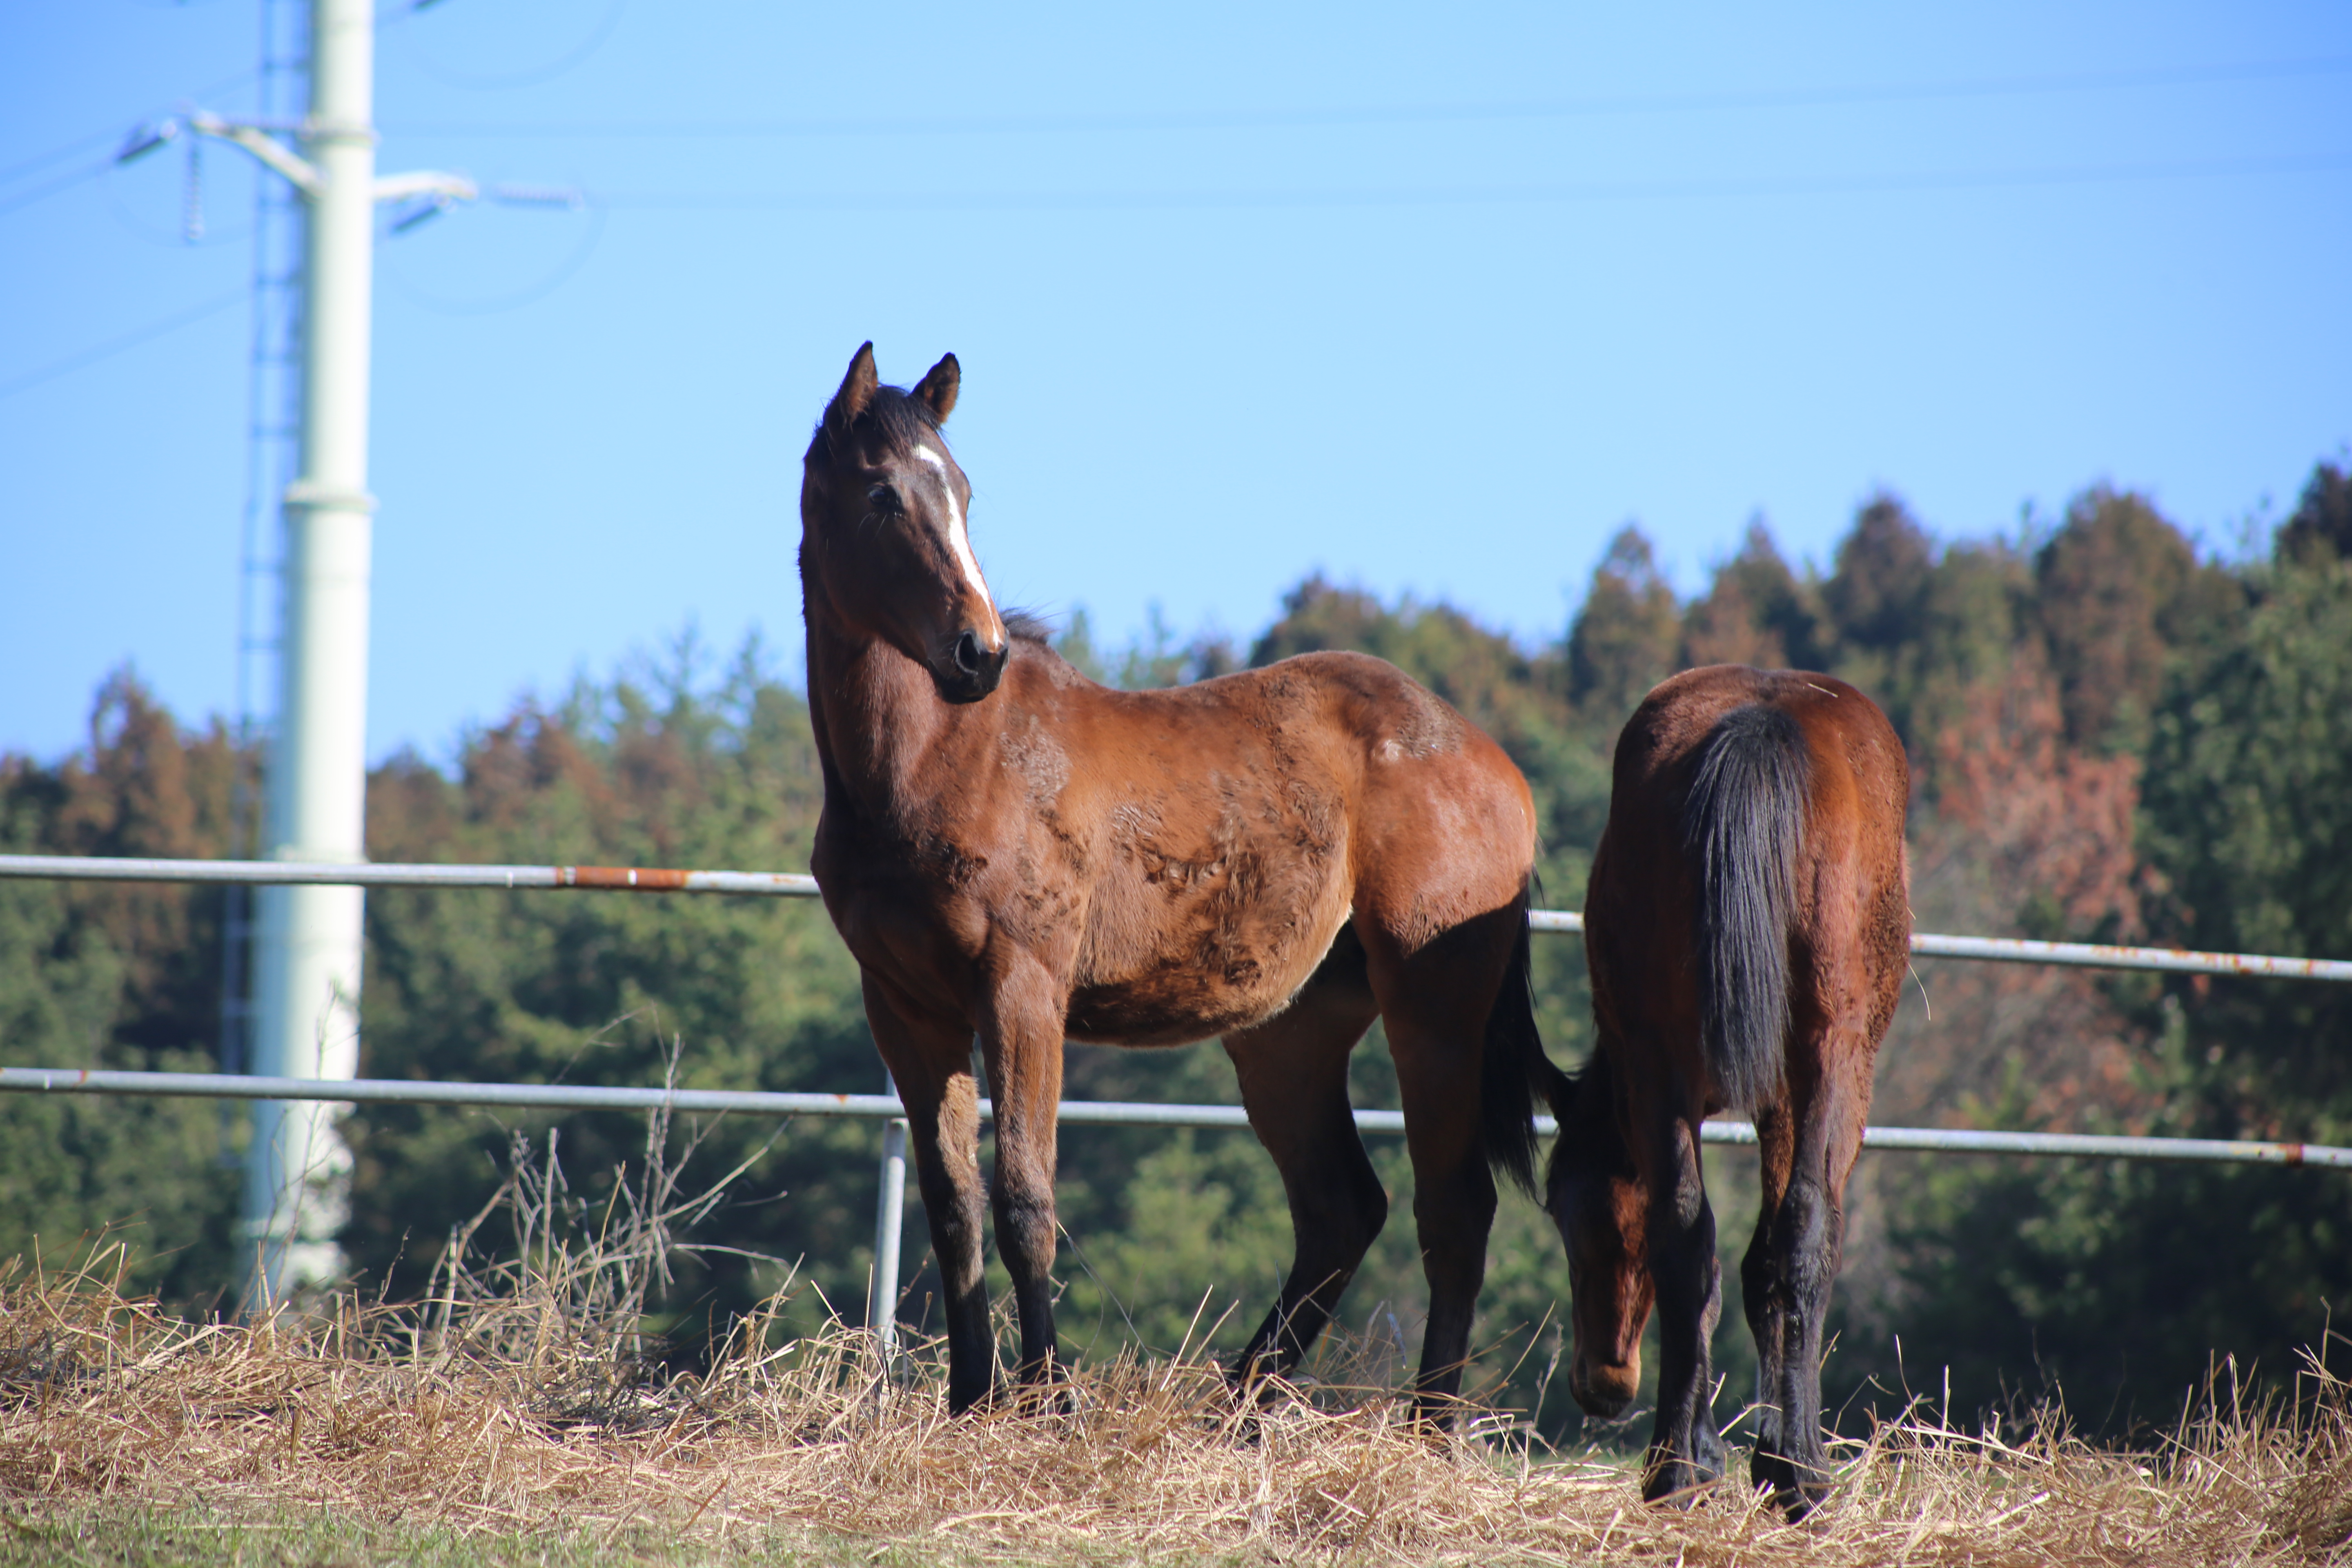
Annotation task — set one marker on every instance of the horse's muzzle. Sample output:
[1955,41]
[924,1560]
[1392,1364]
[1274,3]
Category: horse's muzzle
[1604,1391]
[971,670]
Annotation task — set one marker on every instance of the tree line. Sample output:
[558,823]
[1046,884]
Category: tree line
[2112,740]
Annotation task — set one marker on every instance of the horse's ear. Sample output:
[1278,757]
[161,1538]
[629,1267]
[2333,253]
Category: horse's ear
[937,390]
[857,391]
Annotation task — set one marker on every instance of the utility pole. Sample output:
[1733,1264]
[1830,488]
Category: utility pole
[307,957]
[303,1021]
[306,960]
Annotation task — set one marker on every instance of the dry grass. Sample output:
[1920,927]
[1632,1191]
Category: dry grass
[517,1406]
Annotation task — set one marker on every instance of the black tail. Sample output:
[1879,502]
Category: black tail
[1516,1069]
[1744,823]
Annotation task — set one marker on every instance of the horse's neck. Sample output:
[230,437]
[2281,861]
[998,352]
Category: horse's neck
[882,729]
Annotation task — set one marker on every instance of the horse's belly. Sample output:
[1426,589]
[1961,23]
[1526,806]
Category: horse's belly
[1166,1011]
[1222,970]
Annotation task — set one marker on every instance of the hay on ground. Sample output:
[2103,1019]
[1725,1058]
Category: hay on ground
[520,1397]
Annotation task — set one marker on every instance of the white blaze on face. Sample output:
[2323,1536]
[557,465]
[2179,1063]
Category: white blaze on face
[959,542]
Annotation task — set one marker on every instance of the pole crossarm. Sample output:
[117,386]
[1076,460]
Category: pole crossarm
[795,885]
[434,183]
[1073,1113]
[301,173]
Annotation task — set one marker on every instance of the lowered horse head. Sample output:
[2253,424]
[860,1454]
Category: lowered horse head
[1595,1197]
[885,554]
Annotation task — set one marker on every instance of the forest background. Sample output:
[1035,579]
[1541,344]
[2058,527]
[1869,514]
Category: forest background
[2112,740]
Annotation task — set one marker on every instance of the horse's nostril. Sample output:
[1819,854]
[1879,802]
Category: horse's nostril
[966,653]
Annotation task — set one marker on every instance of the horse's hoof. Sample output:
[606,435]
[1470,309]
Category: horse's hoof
[1047,1399]
[1675,1482]
[1263,1388]
[979,1403]
[1798,1489]
[1256,1380]
[1809,1491]
[1706,1455]
[1434,1418]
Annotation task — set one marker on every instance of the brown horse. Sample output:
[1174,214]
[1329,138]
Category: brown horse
[1748,927]
[1276,857]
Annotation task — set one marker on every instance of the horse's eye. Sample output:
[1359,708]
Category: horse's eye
[883,499]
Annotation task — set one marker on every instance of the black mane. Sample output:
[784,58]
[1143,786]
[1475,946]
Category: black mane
[1027,626]
[893,419]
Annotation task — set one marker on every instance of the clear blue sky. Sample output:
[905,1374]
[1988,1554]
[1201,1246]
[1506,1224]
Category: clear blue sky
[1430,298]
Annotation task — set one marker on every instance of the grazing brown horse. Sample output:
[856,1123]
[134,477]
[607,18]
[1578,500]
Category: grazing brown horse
[1747,928]
[1276,857]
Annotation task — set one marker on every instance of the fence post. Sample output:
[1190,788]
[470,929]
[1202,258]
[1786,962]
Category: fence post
[889,1209]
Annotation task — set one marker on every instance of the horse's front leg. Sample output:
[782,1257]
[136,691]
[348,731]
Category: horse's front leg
[1686,1449]
[1021,1040]
[929,1055]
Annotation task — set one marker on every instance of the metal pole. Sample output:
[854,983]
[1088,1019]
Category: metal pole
[890,1214]
[307,958]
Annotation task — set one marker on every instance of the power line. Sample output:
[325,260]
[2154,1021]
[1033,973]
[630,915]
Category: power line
[109,138]
[113,136]
[65,182]
[59,155]
[1467,195]
[1470,196]
[530,76]
[1241,120]
[114,346]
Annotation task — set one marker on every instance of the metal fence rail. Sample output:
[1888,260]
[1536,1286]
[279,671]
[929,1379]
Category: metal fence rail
[880,1308]
[1074,1112]
[792,885]
[372,874]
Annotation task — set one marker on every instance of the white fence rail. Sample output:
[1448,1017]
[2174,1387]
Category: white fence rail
[795,884]
[1074,1112]
[886,1107]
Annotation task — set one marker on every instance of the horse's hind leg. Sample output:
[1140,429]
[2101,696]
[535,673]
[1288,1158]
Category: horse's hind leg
[1434,1003]
[1775,1147]
[1293,1080]
[1802,1236]
[1686,1449]
[931,1058]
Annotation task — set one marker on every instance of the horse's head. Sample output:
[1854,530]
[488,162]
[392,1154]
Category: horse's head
[883,545]
[1597,1199]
